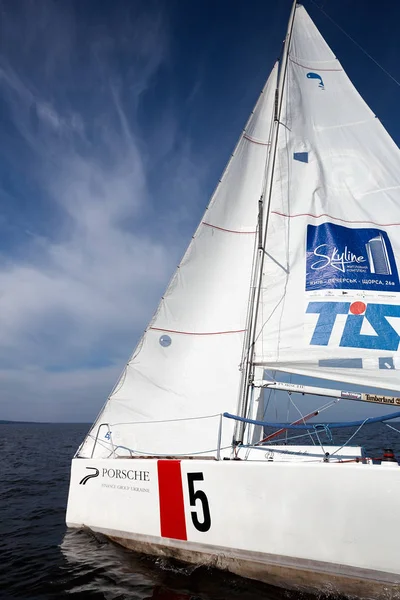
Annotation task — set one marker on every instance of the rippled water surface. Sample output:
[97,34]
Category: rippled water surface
[41,560]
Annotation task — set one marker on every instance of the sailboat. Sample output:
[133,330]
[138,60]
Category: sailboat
[292,269]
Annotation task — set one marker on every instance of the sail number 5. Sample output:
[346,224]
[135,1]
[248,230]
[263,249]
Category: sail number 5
[205,523]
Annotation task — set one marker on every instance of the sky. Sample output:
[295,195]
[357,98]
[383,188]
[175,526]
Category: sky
[116,120]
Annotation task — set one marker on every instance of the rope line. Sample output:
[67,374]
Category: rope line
[340,425]
[357,44]
[196,332]
[351,437]
[391,427]
[165,420]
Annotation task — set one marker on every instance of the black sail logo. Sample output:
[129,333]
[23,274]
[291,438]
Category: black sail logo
[90,476]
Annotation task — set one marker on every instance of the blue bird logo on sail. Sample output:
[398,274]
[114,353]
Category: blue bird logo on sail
[318,77]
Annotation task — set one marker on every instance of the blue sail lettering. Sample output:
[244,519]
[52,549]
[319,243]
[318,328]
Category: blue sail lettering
[386,337]
[327,316]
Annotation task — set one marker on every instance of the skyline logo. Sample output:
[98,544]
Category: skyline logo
[341,257]
[85,479]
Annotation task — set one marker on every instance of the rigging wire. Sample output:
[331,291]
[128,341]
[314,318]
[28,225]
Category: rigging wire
[294,437]
[339,425]
[301,415]
[391,427]
[266,404]
[319,440]
[326,430]
[357,44]
[351,437]
[288,409]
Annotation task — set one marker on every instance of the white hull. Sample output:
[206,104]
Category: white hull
[299,525]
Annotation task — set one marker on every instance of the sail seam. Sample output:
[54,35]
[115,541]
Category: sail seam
[227,230]
[250,139]
[340,125]
[197,333]
[332,217]
[307,67]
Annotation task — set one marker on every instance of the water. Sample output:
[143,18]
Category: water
[41,560]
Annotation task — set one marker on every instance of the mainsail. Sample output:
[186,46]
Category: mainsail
[185,371]
[330,292]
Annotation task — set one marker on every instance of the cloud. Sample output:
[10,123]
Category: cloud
[88,245]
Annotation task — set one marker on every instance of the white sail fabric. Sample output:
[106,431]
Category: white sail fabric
[330,299]
[186,367]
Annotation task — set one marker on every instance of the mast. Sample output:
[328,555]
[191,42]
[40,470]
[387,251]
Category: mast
[264,208]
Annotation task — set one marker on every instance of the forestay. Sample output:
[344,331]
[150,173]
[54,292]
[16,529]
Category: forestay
[187,365]
[330,297]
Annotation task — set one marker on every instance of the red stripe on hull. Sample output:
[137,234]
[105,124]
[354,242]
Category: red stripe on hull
[172,508]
